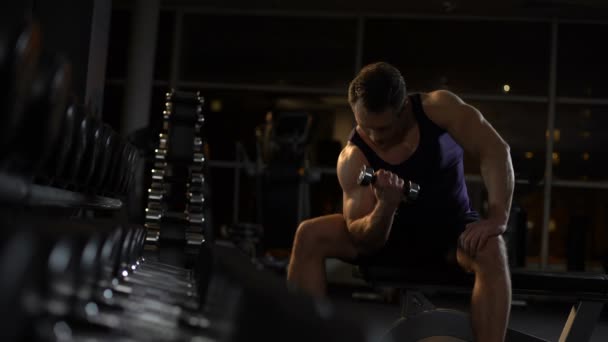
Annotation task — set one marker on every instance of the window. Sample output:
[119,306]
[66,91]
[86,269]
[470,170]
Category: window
[268,50]
[581,66]
[580,143]
[578,237]
[467,57]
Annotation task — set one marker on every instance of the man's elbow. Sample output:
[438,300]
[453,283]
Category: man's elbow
[367,241]
[499,149]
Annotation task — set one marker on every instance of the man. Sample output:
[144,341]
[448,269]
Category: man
[422,138]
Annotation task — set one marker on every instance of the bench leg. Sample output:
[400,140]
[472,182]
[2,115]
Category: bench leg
[581,322]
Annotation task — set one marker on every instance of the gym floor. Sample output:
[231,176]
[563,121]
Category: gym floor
[539,318]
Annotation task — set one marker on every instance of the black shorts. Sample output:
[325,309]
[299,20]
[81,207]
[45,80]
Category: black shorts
[420,245]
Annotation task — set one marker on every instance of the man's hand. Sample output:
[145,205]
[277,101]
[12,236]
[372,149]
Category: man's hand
[476,234]
[388,189]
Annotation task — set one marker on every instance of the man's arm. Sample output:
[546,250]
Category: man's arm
[477,136]
[368,220]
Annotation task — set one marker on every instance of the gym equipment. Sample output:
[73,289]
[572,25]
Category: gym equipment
[42,116]
[175,215]
[19,56]
[411,190]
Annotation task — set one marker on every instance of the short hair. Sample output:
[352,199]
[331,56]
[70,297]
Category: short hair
[380,86]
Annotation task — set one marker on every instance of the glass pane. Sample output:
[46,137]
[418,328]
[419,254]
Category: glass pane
[525,240]
[265,50]
[578,234]
[581,140]
[471,57]
[581,66]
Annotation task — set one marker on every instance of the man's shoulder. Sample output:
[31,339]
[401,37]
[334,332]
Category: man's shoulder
[349,165]
[442,107]
[440,97]
[350,153]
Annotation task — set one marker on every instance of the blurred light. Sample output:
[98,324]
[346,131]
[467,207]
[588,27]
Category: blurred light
[91,309]
[448,6]
[216,106]
[506,88]
[586,156]
[586,134]
[556,134]
[587,113]
[530,224]
[62,331]
[552,226]
[125,273]
[529,155]
[555,158]
[107,294]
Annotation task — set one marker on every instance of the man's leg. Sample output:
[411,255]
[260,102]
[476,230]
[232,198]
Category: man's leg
[491,300]
[315,240]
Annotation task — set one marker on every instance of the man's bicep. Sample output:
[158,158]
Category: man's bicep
[357,204]
[473,132]
[357,200]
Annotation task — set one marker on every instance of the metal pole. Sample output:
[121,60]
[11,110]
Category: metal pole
[140,72]
[544,249]
[237,186]
[98,53]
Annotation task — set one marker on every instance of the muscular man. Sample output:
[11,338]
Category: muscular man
[422,138]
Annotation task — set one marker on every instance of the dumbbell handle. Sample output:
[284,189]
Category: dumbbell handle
[410,189]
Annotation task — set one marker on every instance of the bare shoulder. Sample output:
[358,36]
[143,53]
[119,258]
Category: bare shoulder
[444,107]
[441,98]
[350,161]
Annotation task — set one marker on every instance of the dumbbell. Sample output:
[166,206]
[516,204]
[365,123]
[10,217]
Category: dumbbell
[54,167]
[19,56]
[117,305]
[91,157]
[42,115]
[109,140]
[411,190]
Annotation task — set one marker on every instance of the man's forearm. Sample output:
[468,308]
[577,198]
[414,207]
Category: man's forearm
[370,232]
[497,173]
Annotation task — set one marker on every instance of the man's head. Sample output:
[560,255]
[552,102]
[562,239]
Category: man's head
[378,96]
[379,86]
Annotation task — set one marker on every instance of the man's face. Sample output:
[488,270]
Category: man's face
[383,128]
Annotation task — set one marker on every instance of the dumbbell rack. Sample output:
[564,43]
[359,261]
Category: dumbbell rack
[176,200]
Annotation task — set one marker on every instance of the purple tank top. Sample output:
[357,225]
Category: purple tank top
[437,166]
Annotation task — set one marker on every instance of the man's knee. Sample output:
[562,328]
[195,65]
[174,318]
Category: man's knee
[311,234]
[493,256]
[305,234]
